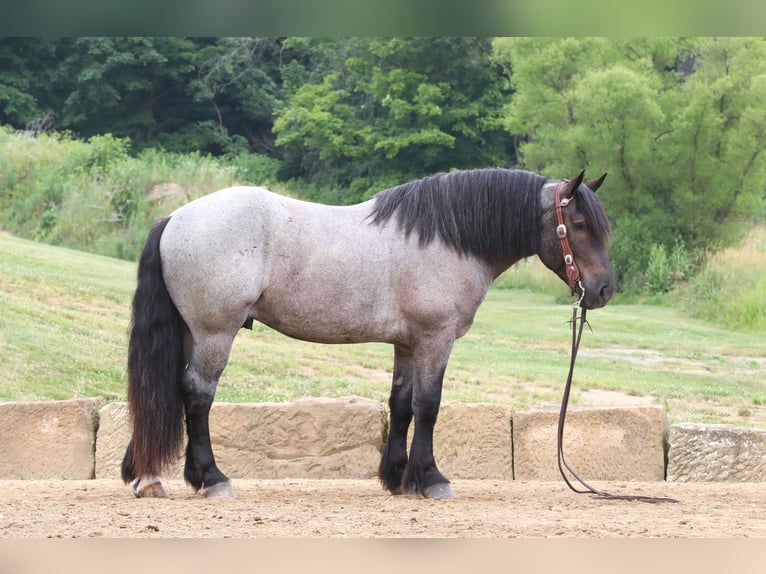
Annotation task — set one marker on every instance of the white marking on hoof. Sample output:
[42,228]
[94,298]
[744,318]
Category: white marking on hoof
[441,491]
[219,490]
[149,487]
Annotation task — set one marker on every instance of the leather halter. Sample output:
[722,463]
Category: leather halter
[573,272]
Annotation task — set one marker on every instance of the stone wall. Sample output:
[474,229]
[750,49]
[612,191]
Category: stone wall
[51,439]
[310,438]
[473,440]
[716,453]
[343,438]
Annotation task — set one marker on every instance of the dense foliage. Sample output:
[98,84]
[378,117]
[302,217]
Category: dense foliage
[390,109]
[679,124]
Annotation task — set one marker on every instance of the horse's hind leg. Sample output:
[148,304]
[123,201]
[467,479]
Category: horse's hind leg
[146,485]
[209,355]
[394,459]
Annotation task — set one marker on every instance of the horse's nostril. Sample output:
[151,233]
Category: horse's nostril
[605,292]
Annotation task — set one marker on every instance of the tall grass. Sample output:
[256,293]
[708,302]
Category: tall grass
[730,290]
[94,195]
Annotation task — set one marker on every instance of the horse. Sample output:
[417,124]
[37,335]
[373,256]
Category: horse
[408,267]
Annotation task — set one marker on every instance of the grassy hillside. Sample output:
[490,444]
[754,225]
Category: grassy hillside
[65,314]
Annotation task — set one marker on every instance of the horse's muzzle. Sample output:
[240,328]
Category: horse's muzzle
[596,295]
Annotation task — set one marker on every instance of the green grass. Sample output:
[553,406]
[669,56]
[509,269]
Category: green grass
[65,314]
[63,326]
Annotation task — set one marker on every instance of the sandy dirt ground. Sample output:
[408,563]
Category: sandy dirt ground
[361,509]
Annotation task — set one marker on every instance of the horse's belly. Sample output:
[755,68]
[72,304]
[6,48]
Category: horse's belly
[328,321]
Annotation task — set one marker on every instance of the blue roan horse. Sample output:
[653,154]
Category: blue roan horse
[409,267]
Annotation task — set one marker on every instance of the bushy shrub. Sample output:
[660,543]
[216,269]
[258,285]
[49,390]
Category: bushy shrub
[664,271]
[255,169]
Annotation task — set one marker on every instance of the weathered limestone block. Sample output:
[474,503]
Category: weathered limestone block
[48,439]
[616,443]
[473,441]
[716,453]
[309,438]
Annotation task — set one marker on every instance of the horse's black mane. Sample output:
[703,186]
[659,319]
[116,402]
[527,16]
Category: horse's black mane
[490,213]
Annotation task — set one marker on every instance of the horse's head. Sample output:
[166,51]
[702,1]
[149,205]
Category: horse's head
[574,236]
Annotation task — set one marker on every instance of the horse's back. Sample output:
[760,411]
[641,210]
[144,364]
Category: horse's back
[246,252]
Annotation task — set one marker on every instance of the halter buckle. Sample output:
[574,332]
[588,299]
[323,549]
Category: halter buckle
[561,231]
[568,259]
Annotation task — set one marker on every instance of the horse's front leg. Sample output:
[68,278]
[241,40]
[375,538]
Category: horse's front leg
[421,475]
[394,459]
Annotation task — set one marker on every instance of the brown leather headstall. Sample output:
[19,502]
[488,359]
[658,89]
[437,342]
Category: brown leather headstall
[573,272]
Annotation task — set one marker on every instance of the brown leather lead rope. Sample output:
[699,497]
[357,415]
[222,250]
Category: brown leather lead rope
[573,278]
[576,336]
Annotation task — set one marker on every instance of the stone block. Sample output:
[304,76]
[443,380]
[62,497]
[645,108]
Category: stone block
[619,443]
[48,439]
[309,438]
[473,441]
[716,453]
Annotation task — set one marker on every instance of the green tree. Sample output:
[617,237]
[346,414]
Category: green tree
[716,138]
[212,95]
[25,66]
[238,84]
[394,108]
[126,86]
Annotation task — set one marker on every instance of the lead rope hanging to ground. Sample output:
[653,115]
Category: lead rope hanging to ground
[576,336]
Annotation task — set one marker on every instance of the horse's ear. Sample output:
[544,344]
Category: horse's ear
[594,184]
[571,187]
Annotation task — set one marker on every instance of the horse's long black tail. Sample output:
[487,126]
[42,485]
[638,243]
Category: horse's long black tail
[155,367]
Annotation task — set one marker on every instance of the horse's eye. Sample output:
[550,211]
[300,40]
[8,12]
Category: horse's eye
[579,225]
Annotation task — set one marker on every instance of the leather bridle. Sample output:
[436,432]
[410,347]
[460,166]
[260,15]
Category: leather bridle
[572,271]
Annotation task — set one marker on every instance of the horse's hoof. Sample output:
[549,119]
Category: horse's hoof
[219,490]
[441,491]
[149,488]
